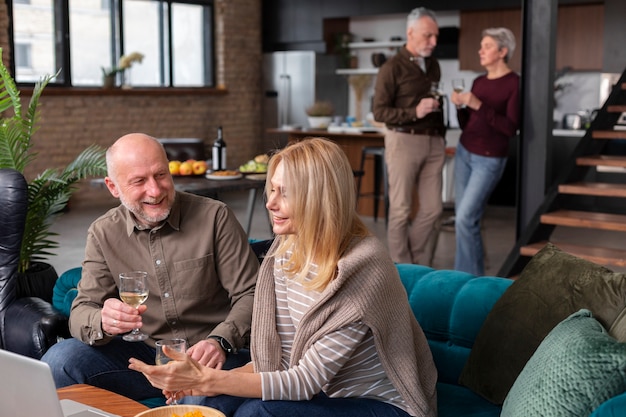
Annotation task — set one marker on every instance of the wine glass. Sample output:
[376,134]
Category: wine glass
[179,345]
[458,85]
[436,91]
[134,292]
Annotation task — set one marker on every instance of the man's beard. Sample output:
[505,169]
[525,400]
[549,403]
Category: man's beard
[138,210]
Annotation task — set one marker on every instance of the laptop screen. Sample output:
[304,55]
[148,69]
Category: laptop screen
[27,389]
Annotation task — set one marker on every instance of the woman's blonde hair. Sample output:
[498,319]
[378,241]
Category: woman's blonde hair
[320,190]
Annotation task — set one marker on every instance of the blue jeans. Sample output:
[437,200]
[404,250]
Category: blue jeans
[475,177]
[318,406]
[106,366]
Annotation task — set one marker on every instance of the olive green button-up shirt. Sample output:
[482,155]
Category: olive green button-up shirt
[202,273]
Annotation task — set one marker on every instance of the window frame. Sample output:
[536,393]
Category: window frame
[62,49]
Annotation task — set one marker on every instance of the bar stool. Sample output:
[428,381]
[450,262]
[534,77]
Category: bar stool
[380,176]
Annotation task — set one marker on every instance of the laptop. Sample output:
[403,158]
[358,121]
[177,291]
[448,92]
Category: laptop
[27,389]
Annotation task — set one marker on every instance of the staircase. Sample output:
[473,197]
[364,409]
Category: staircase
[589,193]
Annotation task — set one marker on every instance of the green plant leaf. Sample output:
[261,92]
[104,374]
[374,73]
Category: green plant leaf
[50,191]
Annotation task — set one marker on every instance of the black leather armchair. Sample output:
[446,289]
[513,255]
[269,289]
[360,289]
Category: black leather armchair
[28,325]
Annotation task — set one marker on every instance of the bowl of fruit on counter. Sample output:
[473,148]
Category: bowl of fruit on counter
[255,168]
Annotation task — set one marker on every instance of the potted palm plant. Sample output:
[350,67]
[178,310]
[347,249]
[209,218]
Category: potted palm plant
[49,192]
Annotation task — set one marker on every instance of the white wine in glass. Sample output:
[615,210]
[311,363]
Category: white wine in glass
[134,292]
[436,91]
[179,345]
[458,85]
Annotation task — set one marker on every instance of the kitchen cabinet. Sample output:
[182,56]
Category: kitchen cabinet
[472,24]
[580,34]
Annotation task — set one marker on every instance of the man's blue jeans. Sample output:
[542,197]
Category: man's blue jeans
[318,406]
[475,177]
[106,366]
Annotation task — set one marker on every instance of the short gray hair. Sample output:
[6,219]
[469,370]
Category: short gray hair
[504,38]
[417,14]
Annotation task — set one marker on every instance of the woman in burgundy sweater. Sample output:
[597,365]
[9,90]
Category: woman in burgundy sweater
[489,116]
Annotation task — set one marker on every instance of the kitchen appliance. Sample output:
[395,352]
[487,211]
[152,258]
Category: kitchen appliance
[573,121]
[293,80]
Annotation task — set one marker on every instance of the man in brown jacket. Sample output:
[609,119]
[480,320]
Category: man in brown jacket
[414,140]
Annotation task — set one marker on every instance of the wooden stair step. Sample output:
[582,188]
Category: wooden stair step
[599,189]
[599,255]
[587,219]
[608,134]
[598,160]
[616,108]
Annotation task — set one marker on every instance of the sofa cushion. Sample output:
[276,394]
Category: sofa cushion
[612,408]
[454,401]
[450,307]
[65,291]
[576,368]
[553,285]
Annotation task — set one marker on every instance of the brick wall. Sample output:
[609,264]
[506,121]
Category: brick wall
[71,122]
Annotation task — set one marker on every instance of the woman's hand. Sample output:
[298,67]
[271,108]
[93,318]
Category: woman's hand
[467,99]
[455,98]
[182,374]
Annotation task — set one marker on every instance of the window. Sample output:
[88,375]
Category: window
[175,37]
[23,56]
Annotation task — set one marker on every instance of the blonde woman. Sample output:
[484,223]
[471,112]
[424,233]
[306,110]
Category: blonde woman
[332,330]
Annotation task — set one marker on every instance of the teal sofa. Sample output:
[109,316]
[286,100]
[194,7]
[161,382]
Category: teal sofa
[451,307]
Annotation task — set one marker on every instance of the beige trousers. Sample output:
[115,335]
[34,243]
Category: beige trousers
[414,163]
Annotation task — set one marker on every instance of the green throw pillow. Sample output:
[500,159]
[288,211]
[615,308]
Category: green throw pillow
[553,285]
[575,369]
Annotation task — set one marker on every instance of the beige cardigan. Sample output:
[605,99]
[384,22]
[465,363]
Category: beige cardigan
[367,288]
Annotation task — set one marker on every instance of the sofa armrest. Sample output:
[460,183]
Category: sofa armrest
[613,407]
[451,307]
[32,325]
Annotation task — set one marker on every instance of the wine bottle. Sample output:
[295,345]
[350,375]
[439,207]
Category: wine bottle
[219,151]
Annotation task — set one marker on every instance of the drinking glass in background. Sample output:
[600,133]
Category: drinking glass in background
[436,91]
[458,85]
[178,345]
[134,292]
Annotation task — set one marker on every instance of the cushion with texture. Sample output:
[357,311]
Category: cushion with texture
[575,369]
[65,291]
[551,287]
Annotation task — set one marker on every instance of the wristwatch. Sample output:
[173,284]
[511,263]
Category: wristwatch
[223,344]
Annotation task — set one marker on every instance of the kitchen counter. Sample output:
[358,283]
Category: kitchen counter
[352,144]
[574,133]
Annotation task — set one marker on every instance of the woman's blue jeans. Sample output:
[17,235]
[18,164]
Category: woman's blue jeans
[475,178]
[318,406]
[106,366]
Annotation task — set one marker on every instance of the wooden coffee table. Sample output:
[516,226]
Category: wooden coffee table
[100,398]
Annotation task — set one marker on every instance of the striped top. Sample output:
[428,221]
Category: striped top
[343,363]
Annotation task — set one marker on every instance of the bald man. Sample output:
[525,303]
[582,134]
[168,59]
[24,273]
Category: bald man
[201,274]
